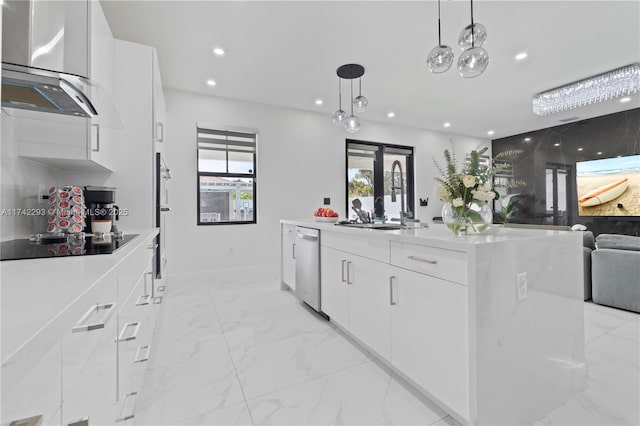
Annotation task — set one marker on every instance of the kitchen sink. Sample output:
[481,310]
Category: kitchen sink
[380,226]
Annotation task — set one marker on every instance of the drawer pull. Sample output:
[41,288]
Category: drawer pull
[126,412]
[157,300]
[134,326]
[143,300]
[79,422]
[152,247]
[95,318]
[343,262]
[161,288]
[419,259]
[349,273]
[142,354]
[29,421]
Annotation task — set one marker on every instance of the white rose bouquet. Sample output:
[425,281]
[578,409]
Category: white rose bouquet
[471,185]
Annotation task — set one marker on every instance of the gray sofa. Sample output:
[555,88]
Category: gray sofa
[615,271]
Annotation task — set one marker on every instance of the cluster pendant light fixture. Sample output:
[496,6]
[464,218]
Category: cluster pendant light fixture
[472,61]
[351,122]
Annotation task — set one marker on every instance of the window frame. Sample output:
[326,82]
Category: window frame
[253,175]
[378,174]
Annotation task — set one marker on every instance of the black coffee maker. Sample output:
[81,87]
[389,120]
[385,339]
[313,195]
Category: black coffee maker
[102,212]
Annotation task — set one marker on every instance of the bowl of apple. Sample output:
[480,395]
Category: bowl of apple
[325,215]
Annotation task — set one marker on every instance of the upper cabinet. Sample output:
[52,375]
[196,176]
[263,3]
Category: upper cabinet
[50,35]
[86,48]
[159,107]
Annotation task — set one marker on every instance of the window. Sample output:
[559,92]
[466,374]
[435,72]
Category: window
[369,178]
[226,176]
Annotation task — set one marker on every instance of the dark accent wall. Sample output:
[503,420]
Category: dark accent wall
[559,148]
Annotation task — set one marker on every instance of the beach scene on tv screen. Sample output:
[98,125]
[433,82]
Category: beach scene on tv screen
[609,187]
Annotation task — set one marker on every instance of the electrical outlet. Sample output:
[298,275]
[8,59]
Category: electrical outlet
[43,193]
[327,201]
[522,287]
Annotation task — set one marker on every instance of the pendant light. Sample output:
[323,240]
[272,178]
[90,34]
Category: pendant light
[339,116]
[359,104]
[352,124]
[474,60]
[441,57]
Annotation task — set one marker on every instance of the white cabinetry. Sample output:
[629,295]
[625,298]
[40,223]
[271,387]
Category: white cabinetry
[89,355]
[355,293]
[429,335]
[75,142]
[159,106]
[288,256]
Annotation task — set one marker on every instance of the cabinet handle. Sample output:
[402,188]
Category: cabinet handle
[392,296]
[419,259]
[294,250]
[143,300]
[157,300]
[153,283]
[95,318]
[343,262]
[160,132]
[97,126]
[28,421]
[142,354]
[132,325]
[79,422]
[349,273]
[152,247]
[126,412]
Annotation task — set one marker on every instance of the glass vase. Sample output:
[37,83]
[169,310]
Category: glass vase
[471,218]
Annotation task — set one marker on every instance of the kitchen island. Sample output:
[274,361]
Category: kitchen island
[489,326]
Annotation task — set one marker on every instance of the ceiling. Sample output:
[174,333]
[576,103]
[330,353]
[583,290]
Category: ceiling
[286,54]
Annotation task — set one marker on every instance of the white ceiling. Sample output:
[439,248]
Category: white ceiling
[286,53]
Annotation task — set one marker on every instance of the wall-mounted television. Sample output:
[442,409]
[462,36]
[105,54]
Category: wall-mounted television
[609,186]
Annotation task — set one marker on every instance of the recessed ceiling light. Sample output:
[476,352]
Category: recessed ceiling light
[447,124]
[391,114]
[599,152]
[319,102]
[211,83]
[625,99]
[491,133]
[527,139]
[556,144]
[521,56]
[580,149]
[218,51]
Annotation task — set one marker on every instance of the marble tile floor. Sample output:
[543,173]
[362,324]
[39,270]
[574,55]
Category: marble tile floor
[233,349]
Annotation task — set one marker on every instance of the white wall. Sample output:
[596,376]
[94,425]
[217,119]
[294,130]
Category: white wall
[301,159]
[20,178]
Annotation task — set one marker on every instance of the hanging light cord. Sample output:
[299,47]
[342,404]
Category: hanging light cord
[439,37]
[351,96]
[473,37]
[340,93]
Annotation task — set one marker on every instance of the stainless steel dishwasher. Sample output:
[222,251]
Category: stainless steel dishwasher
[307,254]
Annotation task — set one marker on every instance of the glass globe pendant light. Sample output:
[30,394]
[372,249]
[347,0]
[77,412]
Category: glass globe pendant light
[352,123]
[360,103]
[477,37]
[339,116]
[474,60]
[440,57]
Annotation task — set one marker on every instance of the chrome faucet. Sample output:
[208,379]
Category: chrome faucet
[403,213]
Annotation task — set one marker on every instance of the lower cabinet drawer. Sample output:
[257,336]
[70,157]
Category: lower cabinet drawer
[449,265]
[364,246]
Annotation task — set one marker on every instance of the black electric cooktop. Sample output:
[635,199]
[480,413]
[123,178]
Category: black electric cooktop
[25,249]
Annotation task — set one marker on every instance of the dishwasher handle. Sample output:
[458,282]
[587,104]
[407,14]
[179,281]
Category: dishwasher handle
[308,237]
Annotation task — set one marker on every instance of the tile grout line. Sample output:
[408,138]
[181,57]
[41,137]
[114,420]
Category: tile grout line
[235,369]
[606,333]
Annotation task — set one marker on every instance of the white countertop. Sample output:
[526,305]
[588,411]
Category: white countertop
[435,234]
[35,290]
